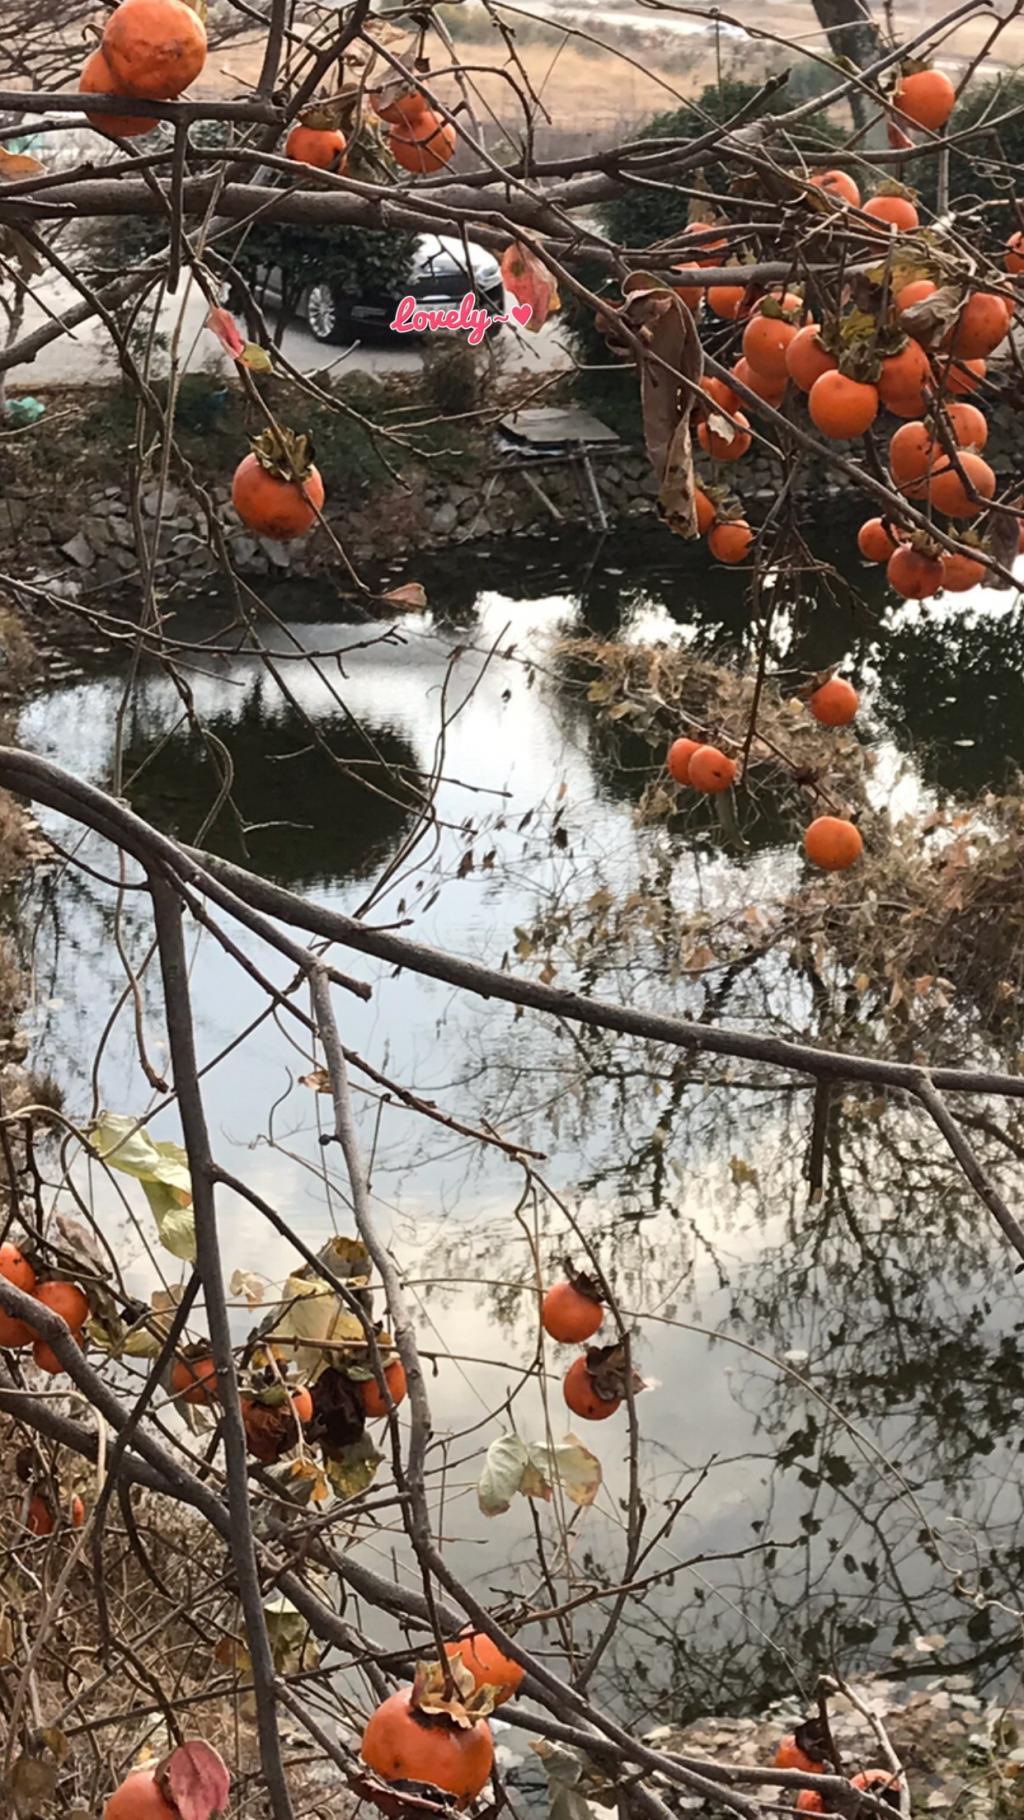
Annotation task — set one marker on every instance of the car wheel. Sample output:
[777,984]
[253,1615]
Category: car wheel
[231,297]
[323,314]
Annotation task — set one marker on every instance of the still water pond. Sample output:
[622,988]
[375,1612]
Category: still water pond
[793,1545]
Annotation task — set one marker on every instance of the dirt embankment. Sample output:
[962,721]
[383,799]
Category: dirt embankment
[600,71]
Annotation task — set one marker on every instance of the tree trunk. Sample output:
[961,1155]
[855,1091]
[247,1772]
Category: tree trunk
[853,36]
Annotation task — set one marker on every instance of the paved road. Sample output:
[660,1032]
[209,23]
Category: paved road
[85,357]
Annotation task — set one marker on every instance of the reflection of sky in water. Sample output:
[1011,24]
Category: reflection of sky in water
[733,1222]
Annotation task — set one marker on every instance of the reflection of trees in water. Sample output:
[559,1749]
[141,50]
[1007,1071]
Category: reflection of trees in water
[892,1281]
[886,1284]
[615,579]
[946,678]
[696,1200]
[294,813]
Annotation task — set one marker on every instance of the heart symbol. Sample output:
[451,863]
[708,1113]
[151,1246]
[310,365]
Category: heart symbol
[521,313]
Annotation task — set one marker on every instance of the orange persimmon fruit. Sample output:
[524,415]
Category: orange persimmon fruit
[154,48]
[833,843]
[568,1315]
[402,1745]
[711,770]
[835,704]
[373,1397]
[582,1397]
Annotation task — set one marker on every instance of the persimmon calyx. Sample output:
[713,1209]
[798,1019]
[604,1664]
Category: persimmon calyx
[288,454]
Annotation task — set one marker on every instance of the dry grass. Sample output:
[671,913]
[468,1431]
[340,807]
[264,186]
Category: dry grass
[169,1630]
[660,693]
[593,92]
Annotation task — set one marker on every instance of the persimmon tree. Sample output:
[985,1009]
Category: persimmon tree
[238,1491]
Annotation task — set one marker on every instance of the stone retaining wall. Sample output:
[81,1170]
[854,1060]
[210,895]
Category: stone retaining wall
[76,551]
[960,1751]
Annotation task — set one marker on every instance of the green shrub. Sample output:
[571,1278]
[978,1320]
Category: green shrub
[203,403]
[643,217]
[974,177]
[453,377]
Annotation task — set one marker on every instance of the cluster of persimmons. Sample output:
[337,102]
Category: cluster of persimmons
[803,1749]
[906,341]
[849,370]
[275,1417]
[419,140]
[831,841]
[275,1414]
[434,1735]
[152,50]
[430,1736]
[571,1312]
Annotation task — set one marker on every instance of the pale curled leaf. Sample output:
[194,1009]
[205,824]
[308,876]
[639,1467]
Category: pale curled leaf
[319,1080]
[246,1283]
[255,358]
[79,1241]
[930,320]
[56,1743]
[502,1475]
[565,1769]
[175,1222]
[195,1780]
[141,1343]
[124,1144]
[721,426]
[311,1312]
[347,1258]
[145,1338]
[305,1482]
[290,1641]
[161,1167]
[412,595]
[534,1483]
[568,1461]
[353,1468]
[533,1468]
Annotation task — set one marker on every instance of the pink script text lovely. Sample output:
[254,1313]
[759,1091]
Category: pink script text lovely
[469,318]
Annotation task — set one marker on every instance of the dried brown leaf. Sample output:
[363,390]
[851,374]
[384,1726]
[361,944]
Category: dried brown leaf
[930,320]
[464,1705]
[673,354]
[31,1785]
[412,595]
[1002,537]
[18,164]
